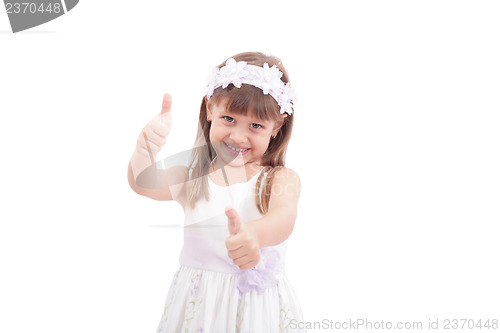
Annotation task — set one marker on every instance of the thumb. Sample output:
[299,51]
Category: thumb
[233,221]
[167,104]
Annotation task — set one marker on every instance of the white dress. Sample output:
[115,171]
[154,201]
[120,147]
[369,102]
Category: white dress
[211,294]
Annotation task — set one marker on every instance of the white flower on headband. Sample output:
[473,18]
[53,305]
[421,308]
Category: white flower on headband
[286,97]
[212,81]
[266,78]
[233,72]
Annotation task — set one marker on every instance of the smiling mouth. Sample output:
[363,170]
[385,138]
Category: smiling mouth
[236,148]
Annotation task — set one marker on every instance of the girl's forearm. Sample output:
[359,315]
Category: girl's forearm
[144,175]
[138,163]
[274,227]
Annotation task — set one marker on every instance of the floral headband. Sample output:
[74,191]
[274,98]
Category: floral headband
[266,78]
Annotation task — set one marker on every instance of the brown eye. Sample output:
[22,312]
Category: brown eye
[255,125]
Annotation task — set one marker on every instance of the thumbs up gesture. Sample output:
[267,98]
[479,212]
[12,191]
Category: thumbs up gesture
[242,244]
[154,134]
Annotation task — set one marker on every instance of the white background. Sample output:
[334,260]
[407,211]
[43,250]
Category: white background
[396,141]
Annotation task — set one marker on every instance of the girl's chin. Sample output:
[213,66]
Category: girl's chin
[231,160]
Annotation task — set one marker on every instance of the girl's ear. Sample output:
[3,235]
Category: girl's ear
[278,124]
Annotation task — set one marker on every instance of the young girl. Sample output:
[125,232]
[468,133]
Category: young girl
[240,202]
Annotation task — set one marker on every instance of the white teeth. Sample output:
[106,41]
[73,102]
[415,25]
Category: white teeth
[235,149]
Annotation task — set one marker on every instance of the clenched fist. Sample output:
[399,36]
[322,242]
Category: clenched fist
[242,244]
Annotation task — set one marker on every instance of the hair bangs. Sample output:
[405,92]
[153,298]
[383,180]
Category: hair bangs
[249,100]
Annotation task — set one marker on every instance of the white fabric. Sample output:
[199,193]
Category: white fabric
[203,296]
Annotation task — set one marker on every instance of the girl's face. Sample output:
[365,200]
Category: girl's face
[239,139]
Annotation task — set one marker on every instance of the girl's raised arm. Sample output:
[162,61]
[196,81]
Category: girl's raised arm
[143,175]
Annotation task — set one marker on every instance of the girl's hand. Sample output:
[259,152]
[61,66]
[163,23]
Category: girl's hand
[154,134]
[242,244]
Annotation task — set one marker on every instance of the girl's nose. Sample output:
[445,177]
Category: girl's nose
[238,136]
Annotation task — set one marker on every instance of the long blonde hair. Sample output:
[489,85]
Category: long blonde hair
[241,101]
